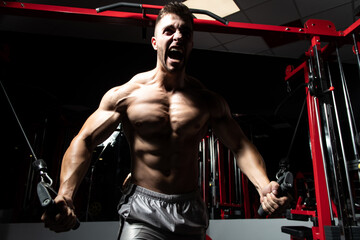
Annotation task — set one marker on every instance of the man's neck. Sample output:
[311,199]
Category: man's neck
[170,80]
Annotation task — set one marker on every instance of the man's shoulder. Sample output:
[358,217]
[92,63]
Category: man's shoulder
[134,83]
[142,78]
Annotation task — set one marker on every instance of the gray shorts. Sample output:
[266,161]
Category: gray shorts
[152,215]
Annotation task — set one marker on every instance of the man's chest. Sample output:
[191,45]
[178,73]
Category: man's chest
[155,111]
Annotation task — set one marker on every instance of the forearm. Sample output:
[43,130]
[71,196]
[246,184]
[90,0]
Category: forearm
[252,165]
[248,158]
[74,167]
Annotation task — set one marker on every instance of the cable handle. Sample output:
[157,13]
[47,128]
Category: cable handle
[286,181]
[44,191]
[48,203]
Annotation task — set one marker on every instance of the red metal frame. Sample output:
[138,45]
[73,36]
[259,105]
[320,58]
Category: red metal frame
[231,177]
[323,208]
[326,32]
[220,161]
[226,199]
[322,202]
[245,188]
[141,19]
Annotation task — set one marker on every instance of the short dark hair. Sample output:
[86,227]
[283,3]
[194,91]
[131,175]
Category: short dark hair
[177,8]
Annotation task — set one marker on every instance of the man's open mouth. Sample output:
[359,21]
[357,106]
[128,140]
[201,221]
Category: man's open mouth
[175,53]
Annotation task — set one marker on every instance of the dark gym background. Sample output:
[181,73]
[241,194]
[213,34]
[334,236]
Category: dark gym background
[55,83]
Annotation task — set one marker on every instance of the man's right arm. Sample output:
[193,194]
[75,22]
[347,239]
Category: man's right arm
[97,128]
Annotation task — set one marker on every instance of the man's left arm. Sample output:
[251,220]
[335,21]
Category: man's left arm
[247,156]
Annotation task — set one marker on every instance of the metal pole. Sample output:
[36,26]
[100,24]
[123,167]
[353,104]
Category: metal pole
[342,147]
[311,71]
[323,156]
[200,165]
[237,188]
[332,162]
[356,51]
[205,184]
[239,179]
[213,174]
[349,111]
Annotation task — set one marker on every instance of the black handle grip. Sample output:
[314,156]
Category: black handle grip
[210,14]
[261,212]
[117,5]
[48,203]
[286,183]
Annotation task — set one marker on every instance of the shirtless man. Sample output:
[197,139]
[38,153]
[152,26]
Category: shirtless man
[164,114]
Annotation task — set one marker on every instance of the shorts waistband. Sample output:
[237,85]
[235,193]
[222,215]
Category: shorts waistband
[166,197]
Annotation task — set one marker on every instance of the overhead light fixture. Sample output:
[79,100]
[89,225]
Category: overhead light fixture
[222,8]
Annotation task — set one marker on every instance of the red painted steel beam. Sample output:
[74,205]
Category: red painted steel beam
[74,13]
[295,71]
[322,202]
[355,27]
[304,212]
[234,205]
[246,200]
[142,19]
[221,172]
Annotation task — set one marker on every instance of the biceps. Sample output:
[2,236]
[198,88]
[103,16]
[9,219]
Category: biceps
[99,126]
[230,133]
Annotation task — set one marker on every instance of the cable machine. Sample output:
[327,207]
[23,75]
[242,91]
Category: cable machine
[334,169]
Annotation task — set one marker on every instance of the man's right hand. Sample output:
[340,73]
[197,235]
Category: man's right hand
[64,218]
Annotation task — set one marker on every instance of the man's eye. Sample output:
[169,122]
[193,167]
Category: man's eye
[168,31]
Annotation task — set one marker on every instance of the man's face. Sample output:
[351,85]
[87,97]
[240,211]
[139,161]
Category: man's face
[173,42]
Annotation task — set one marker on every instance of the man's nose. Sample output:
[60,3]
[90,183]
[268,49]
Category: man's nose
[178,36]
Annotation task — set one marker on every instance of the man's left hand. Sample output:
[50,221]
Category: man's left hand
[270,202]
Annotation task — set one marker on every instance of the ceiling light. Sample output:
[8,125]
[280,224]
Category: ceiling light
[222,8]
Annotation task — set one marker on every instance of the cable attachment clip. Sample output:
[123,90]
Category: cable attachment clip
[45,192]
[41,167]
[280,173]
[44,186]
[285,181]
[283,166]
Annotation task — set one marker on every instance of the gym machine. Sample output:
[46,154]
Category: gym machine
[221,182]
[333,134]
[335,168]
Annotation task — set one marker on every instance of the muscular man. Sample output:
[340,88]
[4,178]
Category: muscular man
[164,114]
